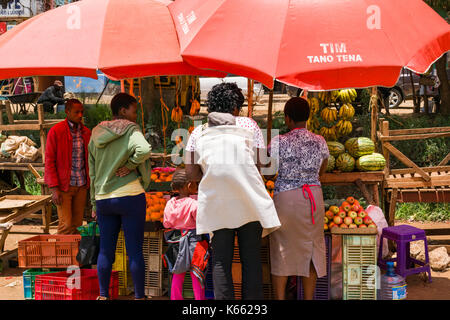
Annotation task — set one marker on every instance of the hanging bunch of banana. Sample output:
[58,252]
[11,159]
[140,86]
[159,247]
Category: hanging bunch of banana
[334,95]
[329,134]
[346,112]
[313,124]
[177,115]
[314,105]
[347,95]
[329,115]
[325,96]
[344,127]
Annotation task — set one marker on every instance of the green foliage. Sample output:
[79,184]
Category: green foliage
[423,211]
[31,185]
[94,114]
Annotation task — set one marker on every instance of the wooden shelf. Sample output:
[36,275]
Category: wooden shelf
[346,178]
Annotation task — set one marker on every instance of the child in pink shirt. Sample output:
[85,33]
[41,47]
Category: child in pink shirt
[180,213]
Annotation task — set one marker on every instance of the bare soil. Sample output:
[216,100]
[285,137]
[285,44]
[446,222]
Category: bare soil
[11,282]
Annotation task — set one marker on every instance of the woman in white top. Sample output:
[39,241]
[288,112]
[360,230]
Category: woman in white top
[232,197]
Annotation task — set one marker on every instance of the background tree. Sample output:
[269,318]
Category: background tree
[442,7]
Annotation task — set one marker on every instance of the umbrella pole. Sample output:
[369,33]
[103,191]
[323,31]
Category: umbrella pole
[122,86]
[374,114]
[250,97]
[270,117]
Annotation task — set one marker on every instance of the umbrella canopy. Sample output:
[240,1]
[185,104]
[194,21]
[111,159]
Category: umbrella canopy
[124,39]
[317,45]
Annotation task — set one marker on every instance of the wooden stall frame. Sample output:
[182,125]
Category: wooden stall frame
[431,184]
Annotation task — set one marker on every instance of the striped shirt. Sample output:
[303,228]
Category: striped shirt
[78,172]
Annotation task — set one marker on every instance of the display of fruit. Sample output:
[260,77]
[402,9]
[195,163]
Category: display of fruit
[314,105]
[345,217]
[334,209]
[345,162]
[195,108]
[371,162]
[360,147]
[156,202]
[177,115]
[347,95]
[344,127]
[270,186]
[348,142]
[313,123]
[329,134]
[335,148]
[162,174]
[346,112]
[331,163]
[329,115]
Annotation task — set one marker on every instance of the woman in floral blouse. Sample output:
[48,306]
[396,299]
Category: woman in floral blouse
[298,247]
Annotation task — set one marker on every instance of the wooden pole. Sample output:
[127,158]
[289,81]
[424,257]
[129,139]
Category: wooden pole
[385,132]
[270,117]
[43,136]
[415,102]
[122,86]
[374,114]
[250,97]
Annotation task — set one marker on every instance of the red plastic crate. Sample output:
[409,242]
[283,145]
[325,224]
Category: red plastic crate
[49,251]
[57,286]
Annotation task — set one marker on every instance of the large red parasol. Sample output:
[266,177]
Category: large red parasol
[124,39]
[317,45]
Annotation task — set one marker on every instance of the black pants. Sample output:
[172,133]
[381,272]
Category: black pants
[249,240]
[48,107]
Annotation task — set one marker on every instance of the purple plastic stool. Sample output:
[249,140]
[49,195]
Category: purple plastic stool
[403,235]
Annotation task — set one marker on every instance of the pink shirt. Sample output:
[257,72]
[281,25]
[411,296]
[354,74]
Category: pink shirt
[180,213]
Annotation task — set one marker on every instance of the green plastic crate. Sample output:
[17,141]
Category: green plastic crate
[359,263]
[28,280]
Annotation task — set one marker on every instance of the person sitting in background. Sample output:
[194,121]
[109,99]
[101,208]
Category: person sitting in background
[66,167]
[51,96]
[119,168]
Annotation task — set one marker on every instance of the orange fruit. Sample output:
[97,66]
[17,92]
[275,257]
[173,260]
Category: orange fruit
[169,179]
[270,184]
[159,194]
[153,177]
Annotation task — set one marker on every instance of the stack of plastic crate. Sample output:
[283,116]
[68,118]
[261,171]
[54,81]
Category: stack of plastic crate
[359,262]
[122,266]
[82,284]
[323,284]
[156,274]
[44,254]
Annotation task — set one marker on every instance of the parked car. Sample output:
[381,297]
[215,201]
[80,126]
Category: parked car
[207,83]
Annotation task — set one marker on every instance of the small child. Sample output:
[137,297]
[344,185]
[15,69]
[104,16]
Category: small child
[180,213]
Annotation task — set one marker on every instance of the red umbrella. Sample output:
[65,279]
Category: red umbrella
[124,39]
[318,45]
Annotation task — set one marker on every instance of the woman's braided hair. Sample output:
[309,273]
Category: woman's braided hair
[225,97]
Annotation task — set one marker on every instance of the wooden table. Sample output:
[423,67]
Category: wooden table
[373,179]
[13,215]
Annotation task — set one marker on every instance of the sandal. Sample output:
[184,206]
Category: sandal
[102,298]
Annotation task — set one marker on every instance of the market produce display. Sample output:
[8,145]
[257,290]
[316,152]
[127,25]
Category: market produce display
[177,115]
[162,174]
[331,113]
[357,153]
[350,214]
[195,108]
[156,202]
[371,162]
[270,184]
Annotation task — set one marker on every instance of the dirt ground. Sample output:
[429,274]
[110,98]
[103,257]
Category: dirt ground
[11,283]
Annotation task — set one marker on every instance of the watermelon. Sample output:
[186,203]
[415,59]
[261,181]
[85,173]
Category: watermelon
[371,162]
[335,148]
[348,142]
[360,147]
[331,163]
[345,162]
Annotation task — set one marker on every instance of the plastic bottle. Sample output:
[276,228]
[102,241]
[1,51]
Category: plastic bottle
[393,286]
